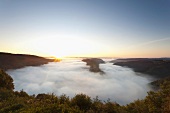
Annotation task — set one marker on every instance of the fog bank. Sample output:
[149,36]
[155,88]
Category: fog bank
[71,77]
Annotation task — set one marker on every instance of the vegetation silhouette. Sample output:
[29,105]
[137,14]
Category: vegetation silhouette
[155,67]
[15,61]
[94,64]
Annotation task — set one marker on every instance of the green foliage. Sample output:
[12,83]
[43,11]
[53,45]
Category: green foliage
[5,94]
[20,102]
[6,82]
[22,93]
[155,102]
[63,99]
[112,107]
[82,101]
[97,105]
[158,83]
[137,106]
[159,102]
[13,108]
[52,108]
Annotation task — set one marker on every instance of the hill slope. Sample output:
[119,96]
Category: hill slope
[158,68]
[14,61]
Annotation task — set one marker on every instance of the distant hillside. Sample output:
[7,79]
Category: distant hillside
[157,67]
[14,61]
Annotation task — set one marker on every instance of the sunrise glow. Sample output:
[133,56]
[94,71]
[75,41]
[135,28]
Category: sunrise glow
[85,28]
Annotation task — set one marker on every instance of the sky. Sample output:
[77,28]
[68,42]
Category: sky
[86,28]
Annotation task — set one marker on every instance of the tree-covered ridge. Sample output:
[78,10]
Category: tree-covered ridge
[14,61]
[158,67]
[20,102]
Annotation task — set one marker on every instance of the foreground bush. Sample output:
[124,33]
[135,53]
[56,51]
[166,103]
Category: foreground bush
[20,102]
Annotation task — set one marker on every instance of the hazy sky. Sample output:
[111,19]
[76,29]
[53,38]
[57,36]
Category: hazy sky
[115,28]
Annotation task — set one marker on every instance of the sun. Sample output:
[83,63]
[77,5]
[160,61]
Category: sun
[55,59]
[60,54]
[66,47]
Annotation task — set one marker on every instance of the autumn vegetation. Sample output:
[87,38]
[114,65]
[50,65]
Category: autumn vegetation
[20,102]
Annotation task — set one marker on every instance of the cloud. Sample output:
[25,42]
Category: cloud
[148,43]
[71,77]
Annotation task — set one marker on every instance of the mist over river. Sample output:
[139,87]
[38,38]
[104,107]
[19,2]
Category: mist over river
[72,76]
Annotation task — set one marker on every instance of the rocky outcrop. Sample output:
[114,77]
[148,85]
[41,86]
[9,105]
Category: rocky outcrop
[92,60]
[158,68]
[15,61]
[94,64]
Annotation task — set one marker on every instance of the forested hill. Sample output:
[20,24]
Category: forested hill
[14,61]
[156,67]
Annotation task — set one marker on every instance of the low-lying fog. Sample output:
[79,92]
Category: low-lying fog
[72,77]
